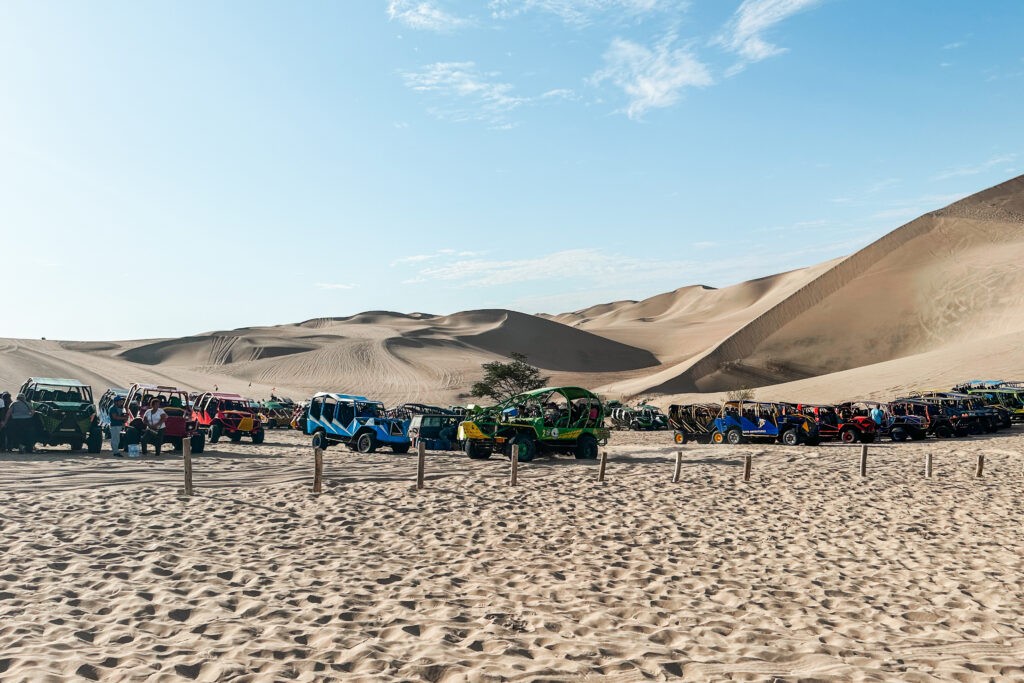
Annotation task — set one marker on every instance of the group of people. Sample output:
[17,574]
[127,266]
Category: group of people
[16,424]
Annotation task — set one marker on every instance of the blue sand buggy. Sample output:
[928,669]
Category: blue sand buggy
[356,421]
[743,421]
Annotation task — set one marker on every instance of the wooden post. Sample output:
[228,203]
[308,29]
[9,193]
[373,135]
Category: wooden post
[604,463]
[747,462]
[679,467]
[981,466]
[513,479]
[421,462]
[186,454]
[928,465]
[318,470]
[864,460]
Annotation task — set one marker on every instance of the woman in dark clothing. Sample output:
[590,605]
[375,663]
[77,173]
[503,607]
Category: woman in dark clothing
[19,424]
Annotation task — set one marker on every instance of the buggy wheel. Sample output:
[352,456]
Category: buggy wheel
[258,436]
[76,445]
[366,443]
[586,447]
[789,437]
[918,435]
[527,447]
[271,423]
[400,448]
[235,437]
[680,438]
[867,438]
[734,437]
[216,429]
[717,438]
[319,440]
[850,435]
[477,451]
[198,442]
[898,434]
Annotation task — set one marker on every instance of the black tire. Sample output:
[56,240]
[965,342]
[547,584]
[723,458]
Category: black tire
[174,442]
[477,451]
[76,445]
[366,442]
[235,437]
[319,440]
[527,447]
[733,437]
[812,441]
[918,435]
[586,447]
[198,442]
[898,434]
[789,438]
[271,423]
[258,436]
[680,438]
[400,448]
[867,438]
[216,429]
[850,435]
[95,441]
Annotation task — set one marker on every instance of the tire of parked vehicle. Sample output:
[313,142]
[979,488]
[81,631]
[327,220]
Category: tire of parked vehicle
[216,429]
[944,432]
[680,437]
[235,437]
[734,437]
[258,436]
[271,423]
[319,440]
[366,443]
[76,445]
[898,434]
[867,438]
[400,448]
[718,438]
[586,447]
[918,435]
[476,451]
[790,437]
[849,435]
[527,447]
[198,442]
[95,441]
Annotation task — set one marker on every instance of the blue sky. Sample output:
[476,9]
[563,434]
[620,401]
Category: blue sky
[168,168]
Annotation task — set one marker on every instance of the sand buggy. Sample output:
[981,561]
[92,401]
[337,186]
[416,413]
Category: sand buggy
[743,421]
[544,421]
[836,426]
[897,427]
[998,394]
[278,412]
[991,417]
[938,420]
[65,413]
[355,421]
[220,414]
[693,421]
[181,424]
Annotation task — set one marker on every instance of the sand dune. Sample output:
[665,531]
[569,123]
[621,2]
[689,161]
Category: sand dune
[940,297]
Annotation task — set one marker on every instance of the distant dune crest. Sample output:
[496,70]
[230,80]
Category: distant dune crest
[942,296]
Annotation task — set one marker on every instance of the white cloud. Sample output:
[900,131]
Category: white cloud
[953,46]
[651,77]
[465,93]
[334,285]
[440,253]
[423,15]
[581,13]
[976,169]
[744,34]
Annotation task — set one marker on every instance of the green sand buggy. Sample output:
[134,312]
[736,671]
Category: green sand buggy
[544,421]
[65,413]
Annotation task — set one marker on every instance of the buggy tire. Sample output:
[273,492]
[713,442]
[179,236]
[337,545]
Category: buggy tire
[812,441]
[400,448]
[717,438]
[850,435]
[918,435]
[319,440]
[198,443]
[733,436]
[258,436]
[271,423]
[235,437]
[898,434]
[789,437]
[475,451]
[680,438]
[216,429]
[867,438]
[366,442]
[76,445]
[95,441]
[586,447]
[527,447]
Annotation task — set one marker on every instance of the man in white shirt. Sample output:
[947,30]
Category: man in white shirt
[154,421]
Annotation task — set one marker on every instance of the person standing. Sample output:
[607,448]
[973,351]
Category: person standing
[154,421]
[5,403]
[877,415]
[116,415]
[19,424]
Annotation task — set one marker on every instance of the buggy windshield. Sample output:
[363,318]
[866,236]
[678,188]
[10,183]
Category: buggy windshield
[369,409]
[62,393]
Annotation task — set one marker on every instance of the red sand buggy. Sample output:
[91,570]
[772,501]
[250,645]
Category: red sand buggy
[840,425]
[221,414]
[180,424]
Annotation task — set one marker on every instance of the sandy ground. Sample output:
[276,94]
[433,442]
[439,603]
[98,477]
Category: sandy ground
[807,572]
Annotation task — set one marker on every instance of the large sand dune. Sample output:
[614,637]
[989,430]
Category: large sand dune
[938,299]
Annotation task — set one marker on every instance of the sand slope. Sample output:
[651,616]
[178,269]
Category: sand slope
[939,299]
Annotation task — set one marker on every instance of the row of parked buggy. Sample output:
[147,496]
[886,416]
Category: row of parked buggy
[975,407]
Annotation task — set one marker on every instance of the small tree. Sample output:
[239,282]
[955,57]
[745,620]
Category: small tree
[504,380]
[742,394]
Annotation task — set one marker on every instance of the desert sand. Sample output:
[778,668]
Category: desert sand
[807,572]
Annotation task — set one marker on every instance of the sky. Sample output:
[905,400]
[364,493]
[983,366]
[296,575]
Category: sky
[169,168]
